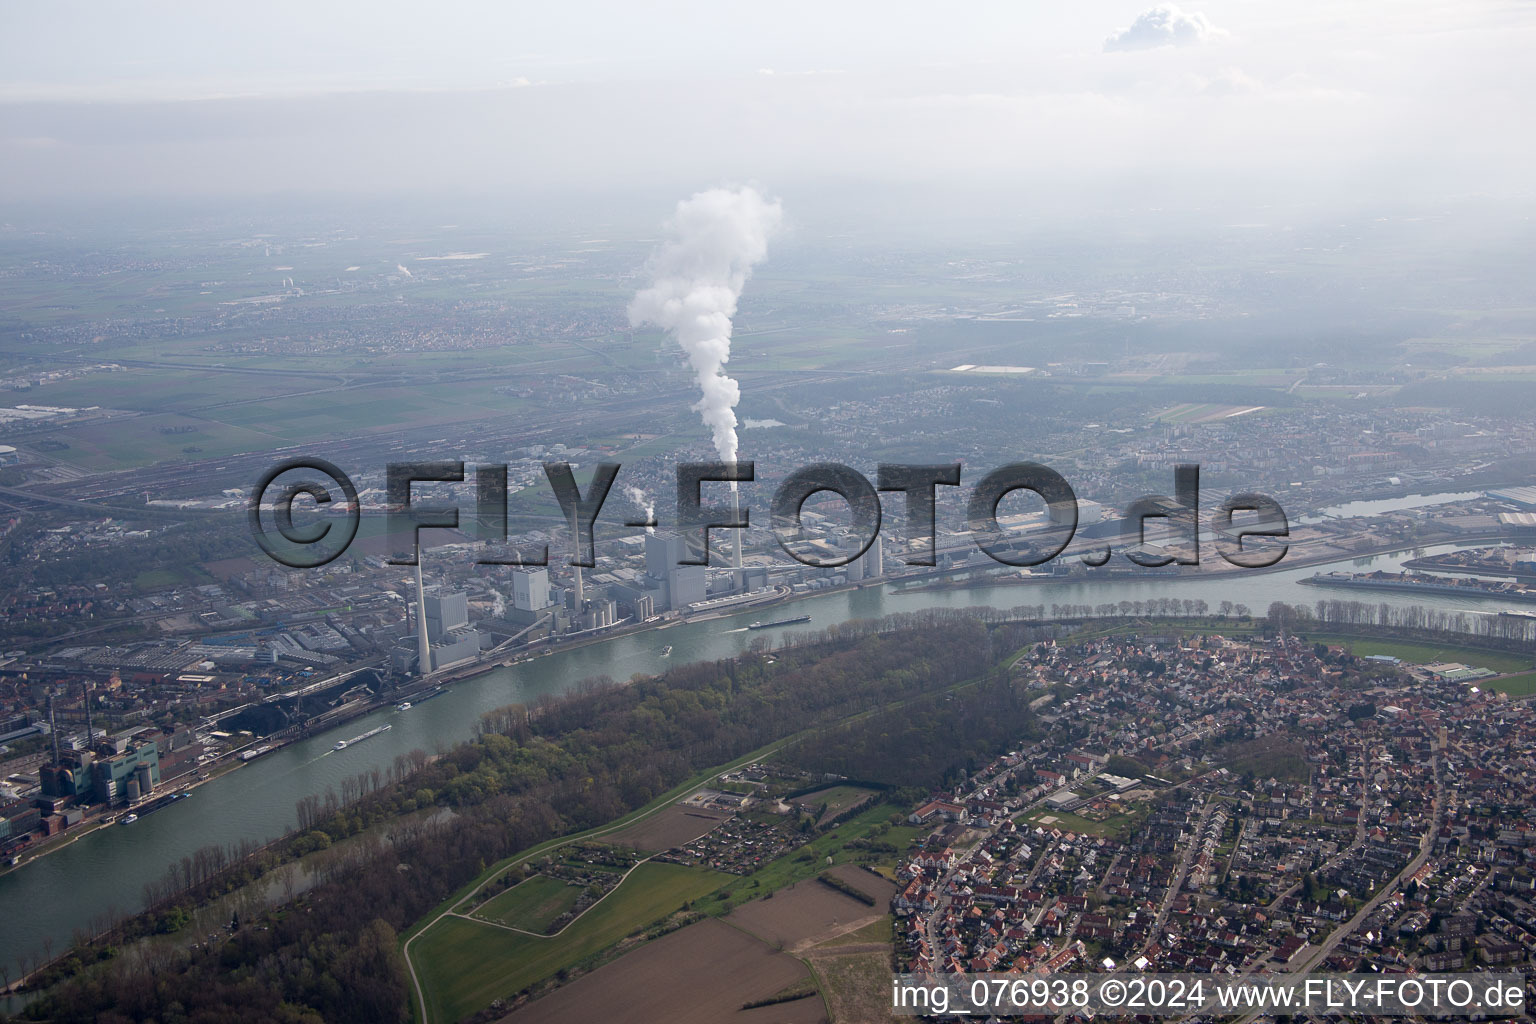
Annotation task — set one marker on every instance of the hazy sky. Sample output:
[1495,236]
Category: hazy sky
[1338,99]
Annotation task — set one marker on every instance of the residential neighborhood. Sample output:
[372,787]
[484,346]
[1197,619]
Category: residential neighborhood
[1295,807]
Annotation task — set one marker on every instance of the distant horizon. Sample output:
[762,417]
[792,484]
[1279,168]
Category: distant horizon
[1117,104]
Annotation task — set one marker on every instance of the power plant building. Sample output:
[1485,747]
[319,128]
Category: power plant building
[71,777]
[868,566]
[128,776]
[457,647]
[663,552]
[679,585]
[874,559]
[453,641]
[530,590]
[446,613]
[444,637]
[686,585]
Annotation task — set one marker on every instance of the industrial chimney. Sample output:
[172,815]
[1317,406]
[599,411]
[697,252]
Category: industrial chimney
[423,648]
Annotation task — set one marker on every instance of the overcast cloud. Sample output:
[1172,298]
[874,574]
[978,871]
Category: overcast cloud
[1419,98]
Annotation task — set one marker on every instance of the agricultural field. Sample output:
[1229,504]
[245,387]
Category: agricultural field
[856,983]
[465,965]
[354,411]
[837,800]
[126,441]
[880,931]
[176,389]
[674,826]
[1479,350]
[811,912]
[181,411]
[700,974]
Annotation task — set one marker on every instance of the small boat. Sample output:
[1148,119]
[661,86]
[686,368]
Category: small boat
[666,651]
[128,819]
[404,705]
[340,745]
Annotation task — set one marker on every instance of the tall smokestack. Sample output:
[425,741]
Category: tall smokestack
[739,539]
[423,648]
[85,698]
[53,729]
[580,596]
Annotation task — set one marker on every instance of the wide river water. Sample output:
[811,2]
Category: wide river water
[50,897]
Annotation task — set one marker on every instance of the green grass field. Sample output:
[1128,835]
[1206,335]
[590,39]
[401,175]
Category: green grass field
[1118,826]
[1424,654]
[837,798]
[159,579]
[879,930]
[1522,685]
[464,966]
[531,905]
[139,441]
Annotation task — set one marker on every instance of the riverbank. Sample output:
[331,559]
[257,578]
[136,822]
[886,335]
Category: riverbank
[187,781]
[1449,566]
[1429,586]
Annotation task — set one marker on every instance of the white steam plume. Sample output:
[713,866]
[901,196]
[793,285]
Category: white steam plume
[698,273]
[640,498]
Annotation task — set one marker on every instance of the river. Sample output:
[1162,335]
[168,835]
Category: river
[52,896]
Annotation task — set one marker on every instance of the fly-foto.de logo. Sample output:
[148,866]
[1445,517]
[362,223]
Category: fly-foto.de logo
[321,540]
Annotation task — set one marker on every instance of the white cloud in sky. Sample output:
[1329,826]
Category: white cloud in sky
[1163,25]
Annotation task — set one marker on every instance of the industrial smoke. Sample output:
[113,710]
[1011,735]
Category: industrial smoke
[642,499]
[714,240]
